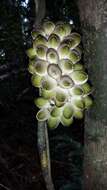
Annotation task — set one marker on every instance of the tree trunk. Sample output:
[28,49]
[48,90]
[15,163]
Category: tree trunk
[93,17]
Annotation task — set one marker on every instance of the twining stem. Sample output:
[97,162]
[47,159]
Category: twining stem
[44,153]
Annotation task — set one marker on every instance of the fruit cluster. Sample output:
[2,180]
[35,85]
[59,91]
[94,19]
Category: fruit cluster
[54,62]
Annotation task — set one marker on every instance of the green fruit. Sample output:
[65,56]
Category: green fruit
[67,111]
[86,88]
[40,40]
[66,82]
[59,104]
[41,51]
[66,122]
[78,114]
[74,57]
[41,67]
[48,27]
[42,115]
[34,34]
[88,101]
[48,84]
[60,30]
[53,122]
[52,56]
[75,36]
[57,71]
[66,65]
[79,77]
[31,68]
[56,111]
[78,49]
[67,28]
[54,71]
[60,96]
[73,40]
[78,67]
[64,51]
[76,91]
[36,80]
[47,94]
[40,102]
[53,41]
[31,53]
[78,103]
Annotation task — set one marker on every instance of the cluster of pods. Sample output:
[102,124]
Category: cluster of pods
[54,62]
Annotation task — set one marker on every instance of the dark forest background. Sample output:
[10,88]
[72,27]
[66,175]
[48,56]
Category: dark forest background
[19,160]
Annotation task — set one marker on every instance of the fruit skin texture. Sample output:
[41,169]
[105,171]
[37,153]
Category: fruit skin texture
[54,62]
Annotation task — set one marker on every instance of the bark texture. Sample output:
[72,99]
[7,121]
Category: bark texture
[93,17]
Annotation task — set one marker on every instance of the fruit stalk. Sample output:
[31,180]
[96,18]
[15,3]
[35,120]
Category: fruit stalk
[44,154]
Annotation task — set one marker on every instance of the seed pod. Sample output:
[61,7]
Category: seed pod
[42,115]
[54,71]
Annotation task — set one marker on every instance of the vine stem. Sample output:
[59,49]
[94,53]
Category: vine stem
[44,154]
